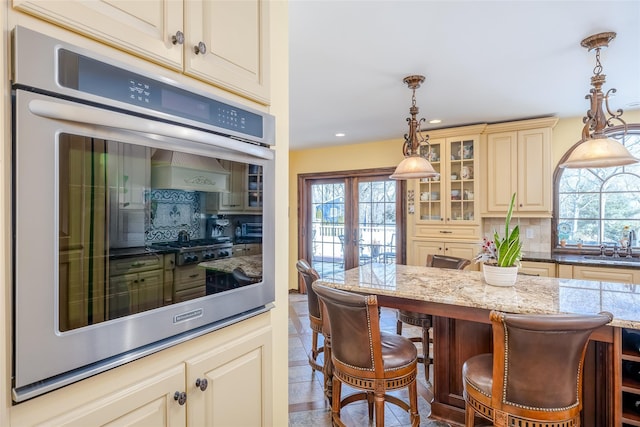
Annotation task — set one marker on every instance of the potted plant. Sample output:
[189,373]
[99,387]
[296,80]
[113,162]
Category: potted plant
[501,256]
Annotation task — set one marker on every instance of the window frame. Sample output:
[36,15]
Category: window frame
[557,175]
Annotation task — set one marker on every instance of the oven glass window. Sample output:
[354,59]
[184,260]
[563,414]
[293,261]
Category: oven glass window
[141,228]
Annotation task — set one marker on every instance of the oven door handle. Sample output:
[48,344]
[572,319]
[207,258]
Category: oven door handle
[96,116]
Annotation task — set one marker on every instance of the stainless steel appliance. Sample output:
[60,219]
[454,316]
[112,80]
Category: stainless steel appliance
[196,251]
[94,141]
[251,229]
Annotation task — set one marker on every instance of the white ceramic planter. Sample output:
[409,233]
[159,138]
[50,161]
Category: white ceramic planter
[499,276]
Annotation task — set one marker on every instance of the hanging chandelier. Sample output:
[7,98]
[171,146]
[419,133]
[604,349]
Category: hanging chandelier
[597,150]
[414,165]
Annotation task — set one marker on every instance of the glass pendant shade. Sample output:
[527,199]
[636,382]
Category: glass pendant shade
[414,166]
[599,153]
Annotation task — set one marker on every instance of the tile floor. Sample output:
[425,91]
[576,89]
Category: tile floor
[307,405]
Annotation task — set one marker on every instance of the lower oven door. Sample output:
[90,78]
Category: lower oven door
[73,316]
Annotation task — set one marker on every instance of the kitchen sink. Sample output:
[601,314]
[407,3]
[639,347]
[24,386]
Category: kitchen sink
[611,259]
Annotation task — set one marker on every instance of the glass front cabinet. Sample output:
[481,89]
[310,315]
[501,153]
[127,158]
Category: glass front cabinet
[449,197]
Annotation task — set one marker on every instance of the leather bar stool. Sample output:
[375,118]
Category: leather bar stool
[310,275]
[424,321]
[366,359]
[534,377]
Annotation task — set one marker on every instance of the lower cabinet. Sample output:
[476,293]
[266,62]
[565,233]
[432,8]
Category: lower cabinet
[229,385]
[535,268]
[606,274]
[189,282]
[421,248]
[246,249]
[148,403]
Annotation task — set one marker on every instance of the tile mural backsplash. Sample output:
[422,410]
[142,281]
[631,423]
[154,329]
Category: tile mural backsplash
[173,211]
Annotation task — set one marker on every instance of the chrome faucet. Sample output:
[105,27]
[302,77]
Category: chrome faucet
[615,251]
[603,249]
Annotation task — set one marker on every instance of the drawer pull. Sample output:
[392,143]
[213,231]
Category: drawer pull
[446,231]
[180,397]
[178,38]
[193,276]
[137,264]
[202,383]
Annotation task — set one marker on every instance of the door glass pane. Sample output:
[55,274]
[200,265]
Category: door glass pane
[377,221]
[328,227]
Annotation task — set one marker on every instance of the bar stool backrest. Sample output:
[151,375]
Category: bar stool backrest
[537,359]
[310,275]
[443,261]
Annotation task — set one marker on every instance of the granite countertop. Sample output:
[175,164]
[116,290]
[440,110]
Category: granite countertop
[252,265]
[531,294]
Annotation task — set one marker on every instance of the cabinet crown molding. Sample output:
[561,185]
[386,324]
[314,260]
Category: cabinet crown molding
[542,122]
[457,131]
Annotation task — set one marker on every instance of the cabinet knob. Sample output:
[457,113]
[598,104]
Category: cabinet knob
[181,397]
[200,48]
[202,383]
[178,38]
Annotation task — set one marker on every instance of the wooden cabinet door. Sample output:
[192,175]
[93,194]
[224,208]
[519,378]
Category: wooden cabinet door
[534,170]
[144,28]
[149,403]
[233,200]
[236,38]
[238,390]
[420,249]
[542,269]
[502,156]
[606,274]
[150,287]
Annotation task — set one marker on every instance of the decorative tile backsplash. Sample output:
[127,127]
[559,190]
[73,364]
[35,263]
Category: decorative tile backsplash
[173,211]
[535,233]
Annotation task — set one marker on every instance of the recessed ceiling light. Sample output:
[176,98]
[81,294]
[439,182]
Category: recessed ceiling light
[435,121]
[340,134]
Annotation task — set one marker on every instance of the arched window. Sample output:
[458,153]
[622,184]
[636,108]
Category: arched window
[599,206]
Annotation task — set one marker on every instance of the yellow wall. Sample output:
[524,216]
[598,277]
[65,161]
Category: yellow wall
[385,154]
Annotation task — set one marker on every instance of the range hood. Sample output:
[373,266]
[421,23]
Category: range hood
[189,172]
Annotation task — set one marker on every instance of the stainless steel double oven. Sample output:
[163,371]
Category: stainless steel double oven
[86,132]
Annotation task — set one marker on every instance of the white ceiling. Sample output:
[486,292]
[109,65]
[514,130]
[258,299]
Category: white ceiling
[484,61]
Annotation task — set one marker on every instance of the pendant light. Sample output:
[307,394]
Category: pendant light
[414,165]
[597,150]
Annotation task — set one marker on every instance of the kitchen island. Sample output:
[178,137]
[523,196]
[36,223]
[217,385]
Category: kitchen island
[460,302]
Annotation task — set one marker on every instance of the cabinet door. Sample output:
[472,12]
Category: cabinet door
[150,290]
[236,38]
[233,200]
[429,191]
[420,249]
[606,274]
[462,181]
[150,403]
[463,250]
[238,389]
[542,269]
[502,159]
[534,170]
[144,28]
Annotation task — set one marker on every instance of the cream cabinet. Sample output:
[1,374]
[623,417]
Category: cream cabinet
[230,384]
[245,191]
[606,274]
[147,403]
[535,268]
[450,197]
[246,249]
[135,284]
[224,43]
[419,249]
[518,160]
[189,282]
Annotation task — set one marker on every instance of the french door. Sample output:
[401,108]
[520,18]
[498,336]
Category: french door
[349,219]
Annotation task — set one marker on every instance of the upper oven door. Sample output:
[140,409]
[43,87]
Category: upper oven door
[70,308]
